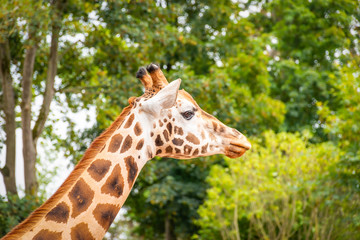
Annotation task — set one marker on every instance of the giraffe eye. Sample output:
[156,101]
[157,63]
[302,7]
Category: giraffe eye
[188,115]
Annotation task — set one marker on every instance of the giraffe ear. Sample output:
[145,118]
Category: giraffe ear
[165,98]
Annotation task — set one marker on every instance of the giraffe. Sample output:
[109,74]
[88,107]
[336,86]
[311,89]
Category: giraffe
[165,122]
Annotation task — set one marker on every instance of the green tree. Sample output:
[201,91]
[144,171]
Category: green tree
[342,126]
[14,210]
[308,41]
[29,67]
[280,190]
[165,197]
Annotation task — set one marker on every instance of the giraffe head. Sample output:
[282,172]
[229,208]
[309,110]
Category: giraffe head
[177,126]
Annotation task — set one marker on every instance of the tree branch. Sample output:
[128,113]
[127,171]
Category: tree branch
[29,146]
[51,72]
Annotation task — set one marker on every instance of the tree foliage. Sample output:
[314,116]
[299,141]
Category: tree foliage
[283,189]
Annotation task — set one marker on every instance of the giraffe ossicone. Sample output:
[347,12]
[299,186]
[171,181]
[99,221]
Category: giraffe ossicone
[165,122]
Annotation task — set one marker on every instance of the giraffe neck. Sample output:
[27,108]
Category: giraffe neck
[88,205]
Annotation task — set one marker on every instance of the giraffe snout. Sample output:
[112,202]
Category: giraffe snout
[238,144]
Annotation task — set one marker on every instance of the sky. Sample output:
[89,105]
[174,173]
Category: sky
[50,161]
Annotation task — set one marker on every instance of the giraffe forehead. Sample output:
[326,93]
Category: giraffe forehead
[182,94]
[183,105]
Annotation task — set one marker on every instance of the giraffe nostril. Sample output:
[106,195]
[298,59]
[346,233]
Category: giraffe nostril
[236,132]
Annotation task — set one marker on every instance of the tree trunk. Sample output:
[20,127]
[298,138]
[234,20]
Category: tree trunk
[29,150]
[49,87]
[29,163]
[169,228]
[31,137]
[8,171]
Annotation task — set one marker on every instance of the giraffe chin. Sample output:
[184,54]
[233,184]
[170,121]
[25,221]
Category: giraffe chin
[235,150]
[232,154]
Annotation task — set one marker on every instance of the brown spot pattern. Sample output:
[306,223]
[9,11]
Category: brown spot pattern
[137,129]
[149,152]
[140,144]
[99,168]
[158,141]
[178,141]
[160,123]
[166,135]
[81,232]
[204,148]
[177,150]
[115,143]
[47,234]
[169,128]
[178,130]
[114,185]
[168,149]
[129,121]
[59,214]
[127,144]
[158,151]
[187,149]
[222,129]
[193,139]
[215,126]
[196,152]
[132,169]
[105,214]
[81,197]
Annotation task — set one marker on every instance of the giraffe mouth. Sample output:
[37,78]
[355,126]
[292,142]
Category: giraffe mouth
[237,149]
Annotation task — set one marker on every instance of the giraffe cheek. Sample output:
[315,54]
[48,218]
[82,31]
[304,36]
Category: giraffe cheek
[193,139]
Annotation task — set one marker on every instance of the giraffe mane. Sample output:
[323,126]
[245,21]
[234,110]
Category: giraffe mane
[89,155]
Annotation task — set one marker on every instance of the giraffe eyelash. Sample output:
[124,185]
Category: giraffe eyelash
[188,114]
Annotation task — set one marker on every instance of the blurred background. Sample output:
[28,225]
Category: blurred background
[284,73]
